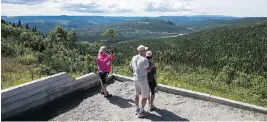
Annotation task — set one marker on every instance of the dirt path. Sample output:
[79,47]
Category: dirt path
[94,106]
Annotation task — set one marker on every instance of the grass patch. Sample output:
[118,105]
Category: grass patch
[75,75]
[12,79]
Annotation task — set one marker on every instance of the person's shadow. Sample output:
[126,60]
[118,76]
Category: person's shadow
[121,102]
[165,115]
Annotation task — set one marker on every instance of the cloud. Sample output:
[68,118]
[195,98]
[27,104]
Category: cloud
[95,7]
[167,6]
[29,2]
[134,8]
[88,8]
[118,9]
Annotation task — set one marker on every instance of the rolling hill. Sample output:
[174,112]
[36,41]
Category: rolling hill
[89,28]
[155,28]
[140,29]
[46,26]
[112,19]
[48,23]
[213,23]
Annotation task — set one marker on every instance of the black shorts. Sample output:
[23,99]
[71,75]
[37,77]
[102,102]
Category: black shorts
[152,85]
[103,76]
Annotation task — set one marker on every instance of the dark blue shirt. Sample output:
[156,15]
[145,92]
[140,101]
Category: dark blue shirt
[150,75]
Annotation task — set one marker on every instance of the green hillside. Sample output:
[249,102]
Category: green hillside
[141,29]
[28,55]
[228,61]
[213,23]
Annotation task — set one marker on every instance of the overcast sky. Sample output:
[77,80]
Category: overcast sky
[239,8]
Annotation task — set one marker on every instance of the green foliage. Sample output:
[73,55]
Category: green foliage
[110,32]
[227,62]
[19,24]
[27,59]
[226,75]
[56,52]
[8,50]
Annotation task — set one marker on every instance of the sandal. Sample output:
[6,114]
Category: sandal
[109,95]
[103,92]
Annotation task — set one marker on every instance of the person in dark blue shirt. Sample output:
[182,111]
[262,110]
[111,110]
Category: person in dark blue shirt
[152,80]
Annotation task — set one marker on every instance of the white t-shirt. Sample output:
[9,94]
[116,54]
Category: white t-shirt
[139,63]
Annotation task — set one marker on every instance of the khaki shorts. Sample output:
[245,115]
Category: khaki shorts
[141,87]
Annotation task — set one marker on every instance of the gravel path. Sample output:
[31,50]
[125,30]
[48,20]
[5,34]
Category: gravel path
[94,106]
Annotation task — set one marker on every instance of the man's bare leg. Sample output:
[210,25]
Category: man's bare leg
[149,100]
[143,103]
[136,100]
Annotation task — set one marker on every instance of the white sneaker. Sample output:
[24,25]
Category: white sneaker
[137,111]
[141,114]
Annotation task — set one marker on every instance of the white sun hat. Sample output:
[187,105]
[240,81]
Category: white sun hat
[142,47]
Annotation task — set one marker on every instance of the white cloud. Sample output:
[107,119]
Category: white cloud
[136,7]
[23,1]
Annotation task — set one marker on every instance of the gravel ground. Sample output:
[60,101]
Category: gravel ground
[170,107]
[88,105]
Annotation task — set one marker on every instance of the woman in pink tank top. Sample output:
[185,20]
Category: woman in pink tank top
[104,66]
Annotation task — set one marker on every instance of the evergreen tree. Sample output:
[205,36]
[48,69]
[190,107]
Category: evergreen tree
[27,26]
[19,24]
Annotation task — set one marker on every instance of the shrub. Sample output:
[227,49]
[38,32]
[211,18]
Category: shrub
[28,59]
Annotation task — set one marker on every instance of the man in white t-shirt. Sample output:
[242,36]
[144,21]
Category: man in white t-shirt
[140,67]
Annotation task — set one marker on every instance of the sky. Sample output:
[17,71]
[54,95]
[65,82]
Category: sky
[238,8]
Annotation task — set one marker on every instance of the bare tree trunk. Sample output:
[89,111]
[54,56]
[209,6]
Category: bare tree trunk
[71,62]
[32,75]
[113,50]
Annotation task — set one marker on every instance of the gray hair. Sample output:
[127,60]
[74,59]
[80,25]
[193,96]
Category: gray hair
[101,49]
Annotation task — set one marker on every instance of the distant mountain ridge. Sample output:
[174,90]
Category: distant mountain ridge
[111,19]
[47,23]
[213,23]
[139,29]
[89,28]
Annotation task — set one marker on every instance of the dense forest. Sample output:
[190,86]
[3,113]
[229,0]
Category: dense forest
[228,61]
[243,48]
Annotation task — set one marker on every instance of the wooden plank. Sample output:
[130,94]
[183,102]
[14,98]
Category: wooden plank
[39,90]
[122,78]
[31,85]
[88,77]
[32,98]
[55,93]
